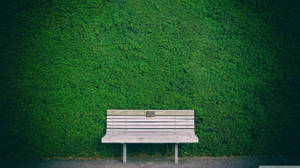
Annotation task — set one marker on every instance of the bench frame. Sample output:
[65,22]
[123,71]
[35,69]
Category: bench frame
[125,153]
[176,120]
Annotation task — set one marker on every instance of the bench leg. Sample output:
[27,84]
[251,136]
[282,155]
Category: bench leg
[124,153]
[176,153]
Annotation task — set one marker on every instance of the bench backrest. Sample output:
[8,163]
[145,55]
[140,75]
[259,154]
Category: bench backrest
[151,121]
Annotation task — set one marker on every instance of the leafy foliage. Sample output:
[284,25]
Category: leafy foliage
[66,62]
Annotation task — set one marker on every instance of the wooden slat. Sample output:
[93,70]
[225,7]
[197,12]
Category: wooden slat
[151,126]
[162,136]
[150,130]
[150,133]
[148,124]
[150,120]
[147,133]
[153,139]
[169,137]
[157,112]
[122,141]
[144,117]
[147,136]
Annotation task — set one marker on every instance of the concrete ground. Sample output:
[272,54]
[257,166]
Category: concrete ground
[201,162]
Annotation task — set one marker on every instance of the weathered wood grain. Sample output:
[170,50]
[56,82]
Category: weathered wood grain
[165,126]
[150,139]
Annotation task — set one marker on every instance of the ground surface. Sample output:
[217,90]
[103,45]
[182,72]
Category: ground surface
[217,162]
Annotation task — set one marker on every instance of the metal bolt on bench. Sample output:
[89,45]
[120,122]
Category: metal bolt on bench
[150,126]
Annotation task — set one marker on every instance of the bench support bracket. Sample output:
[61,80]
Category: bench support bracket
[124,153]
[176,153]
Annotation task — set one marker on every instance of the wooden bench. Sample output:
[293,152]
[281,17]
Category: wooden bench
[150,126]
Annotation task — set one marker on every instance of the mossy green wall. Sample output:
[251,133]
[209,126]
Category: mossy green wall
[65,63]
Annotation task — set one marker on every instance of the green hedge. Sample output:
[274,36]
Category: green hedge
[64,63]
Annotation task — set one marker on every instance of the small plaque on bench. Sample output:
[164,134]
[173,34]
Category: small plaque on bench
[150,114]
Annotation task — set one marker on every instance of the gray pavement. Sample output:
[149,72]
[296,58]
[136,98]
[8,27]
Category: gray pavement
[200,162]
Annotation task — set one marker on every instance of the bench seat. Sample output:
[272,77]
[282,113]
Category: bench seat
[148,138]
